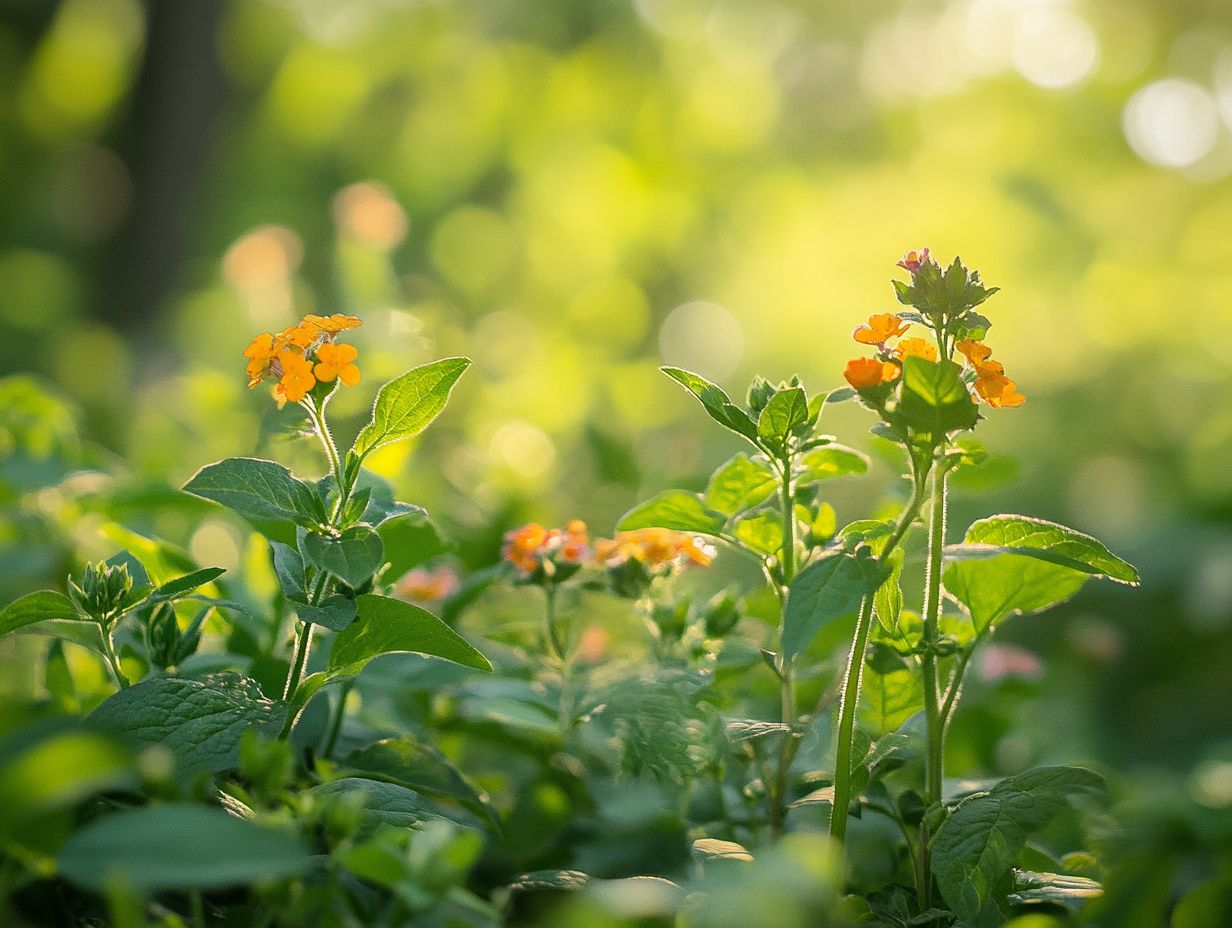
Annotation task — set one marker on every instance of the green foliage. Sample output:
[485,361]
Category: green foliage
[935,401]
[977,844]
[389,626]
[200,722]
[352,555]
[407,405]
[178,846]
[716,403]
[740,484]
[678,510]
[266,494]
[36,607]
[828,589]
[1015,564]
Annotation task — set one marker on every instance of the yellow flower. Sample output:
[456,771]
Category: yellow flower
[333,324]
[913,260]
[300,335]
[337,361]
[296,379]
[916,348]
[880,328]
[864,373]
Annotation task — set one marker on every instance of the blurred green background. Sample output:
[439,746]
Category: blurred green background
[573,193]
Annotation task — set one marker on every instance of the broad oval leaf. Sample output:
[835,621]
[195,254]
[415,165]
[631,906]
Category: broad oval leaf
[388,626]
[265,493]
[406,405]
[717,403]
[830,461]
[200,721]
[934,399]
[976,846]
[178,846]
[677,510]
[385,803]
[785,412]
[423,769]
[739,485]
[335,612]
[36,607]
[353,555]
[827,589]
[763,532]
[410,540]
[1010,565]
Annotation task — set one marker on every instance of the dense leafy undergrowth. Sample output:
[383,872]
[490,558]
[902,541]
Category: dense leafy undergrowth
[330,736]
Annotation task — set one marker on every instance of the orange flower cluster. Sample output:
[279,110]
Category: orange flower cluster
[913,260]
[288,357]
[427,585]
[656,548]
[532,548]
[866,373]
[991,384]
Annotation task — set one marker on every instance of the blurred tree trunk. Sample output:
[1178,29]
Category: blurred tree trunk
[166,145]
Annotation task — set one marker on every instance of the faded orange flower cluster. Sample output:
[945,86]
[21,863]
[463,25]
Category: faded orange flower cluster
[288,357]
[533,549]
[991,384]
[913,260]
[656,548]
[427,584]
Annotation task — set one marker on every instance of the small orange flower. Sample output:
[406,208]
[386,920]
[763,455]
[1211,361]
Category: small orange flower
[913,260]
[426,585]
[865,373]
[916,348]
[975,352]
[300,335]
[296,379]
[998,390]
[533,547]
[657,548]
[333,324]
[337,361]
[522,546]
[260,353]
[880,328]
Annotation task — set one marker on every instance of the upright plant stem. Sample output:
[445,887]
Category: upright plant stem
[850,697]
[303,642]
[788,712]
[113,659]
[555,642]
[336,726]
[934,750]
[847,721]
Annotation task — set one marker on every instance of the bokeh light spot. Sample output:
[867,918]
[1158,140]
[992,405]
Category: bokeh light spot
[1055,48]
[1172,122]
[704,337]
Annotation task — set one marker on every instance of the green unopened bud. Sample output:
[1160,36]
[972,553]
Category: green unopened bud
[671,620]
[721,615]
[162,636]
[760,391]
[629,578]
[101,591]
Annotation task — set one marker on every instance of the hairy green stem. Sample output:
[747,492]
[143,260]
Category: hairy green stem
[113,659]
[552,624]
[303,642]
[788,712]
[934,720]
[336,725]
[850,695]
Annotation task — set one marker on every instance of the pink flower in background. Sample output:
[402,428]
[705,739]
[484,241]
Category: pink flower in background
[427,585]
[1002,661]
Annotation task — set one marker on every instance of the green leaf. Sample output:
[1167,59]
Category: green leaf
[384,803]
[387,626]
[717,403]
[1047,541]
[36,607]
[353,555]
[265,493]
[762,532]
[828,589]
[678,510]
[423,769]
[830,461]
[410,540]
[888,600]
[52,766]
[200,721]
[335,612]
[173,589]
[740,484]
[178,846]
[976,846]
[889,695]
[934,399]
[406,405]
[1010,565]
[1072,892]
[786,412]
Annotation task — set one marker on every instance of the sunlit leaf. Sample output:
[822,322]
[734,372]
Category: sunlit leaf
[826,590]
[406,405]
[678,510]
[353,555]
[387,626]
[740,484]
[717,403]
